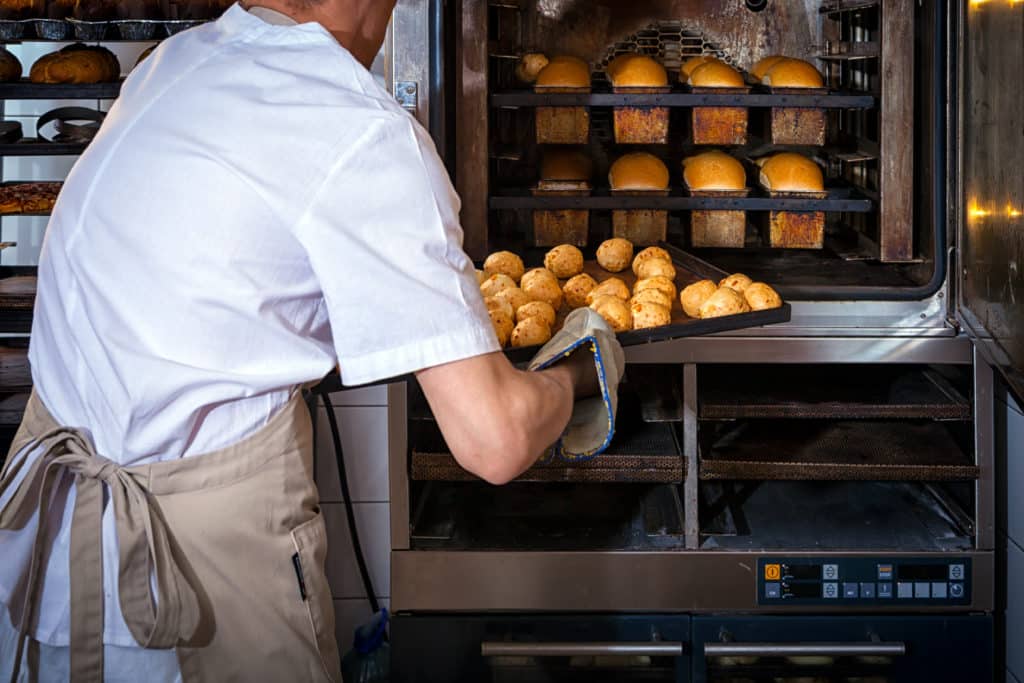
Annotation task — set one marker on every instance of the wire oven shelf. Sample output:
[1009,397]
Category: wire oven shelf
[867,450]
[31,147]
[27,90]
[829,100]
[15,373]
[17,298]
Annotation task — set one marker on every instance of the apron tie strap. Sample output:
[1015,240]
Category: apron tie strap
[157,621]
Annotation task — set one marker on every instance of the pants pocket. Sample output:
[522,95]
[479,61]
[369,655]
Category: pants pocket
[310,541]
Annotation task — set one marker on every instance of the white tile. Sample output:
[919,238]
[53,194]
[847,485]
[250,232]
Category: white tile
[350,615]
[368,396]
[1014,476]
[128,53]
[364,438]
[28,232]
[372,522]
[37,168]
[1015,609]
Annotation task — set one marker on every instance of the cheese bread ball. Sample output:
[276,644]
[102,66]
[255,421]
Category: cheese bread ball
[654,268]
[480,276]
[496,284]
[761,297]
[650,253]
[614,310]
[737,281]
[615,255]
[503,326]
[613,286]
[647,315]
[514,296]
[495,304]
[652,296]
[535,275]
[505,262]
[544,289]
[725,301]
[564,261]
[536,309]
[659,282]
[531,332]
[577,289]
[694,296]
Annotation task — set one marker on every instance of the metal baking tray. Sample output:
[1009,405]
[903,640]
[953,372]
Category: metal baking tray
[25,89]
[824,100]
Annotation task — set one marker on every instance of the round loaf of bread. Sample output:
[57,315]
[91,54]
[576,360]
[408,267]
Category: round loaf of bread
[564,261]
[650,253]
[567,164]
[793,73]
[544,289]
[737,281]
[10,67]
[506,263]
[577,289]
[493,303]
[691,64]
[761,297]
[714,170]
[716,75]
[564,72]
[659,282]
[529,66]
[615,311]
[652,296]
[647,315]
[636,71]
[77,63]
[724,302]
[615,255]
[495,284]
[761,67]
[791,172]
[514,296]
[638,171]
[530,332]
[613,286]
[536,274]
[536,309]
[694,296]
[654,268]
[503,326]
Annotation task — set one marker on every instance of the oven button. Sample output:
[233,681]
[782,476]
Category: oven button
[851,590]
[867,590]
[885,572]
[922,590]
[956,572]
[830,572]
[956,590]
[830,590]
[773,590]
[939,590]
[885,590]
[772,572]
[904,590]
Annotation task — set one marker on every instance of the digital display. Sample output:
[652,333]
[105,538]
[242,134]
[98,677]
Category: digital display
[804,590]
[922,572]
[809,572]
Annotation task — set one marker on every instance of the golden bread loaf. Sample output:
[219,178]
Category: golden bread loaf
[636,71]
[638,171]
[793,73]
[564,261]
[791,172]
[694,296]
[614,255]
[564,72]
[78,64]
[714,170]
[577,289]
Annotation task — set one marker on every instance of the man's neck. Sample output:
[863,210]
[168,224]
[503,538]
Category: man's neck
[272,16]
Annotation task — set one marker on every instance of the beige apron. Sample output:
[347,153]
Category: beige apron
[234,540]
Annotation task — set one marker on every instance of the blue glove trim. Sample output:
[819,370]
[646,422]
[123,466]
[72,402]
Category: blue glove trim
[602,381]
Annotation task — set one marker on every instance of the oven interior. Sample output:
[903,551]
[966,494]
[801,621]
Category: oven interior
[884,159]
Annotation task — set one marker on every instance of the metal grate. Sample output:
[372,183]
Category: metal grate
[670,42]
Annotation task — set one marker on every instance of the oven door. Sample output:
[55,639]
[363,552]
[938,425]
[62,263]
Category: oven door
[991,191]
[540,649]
[868,649]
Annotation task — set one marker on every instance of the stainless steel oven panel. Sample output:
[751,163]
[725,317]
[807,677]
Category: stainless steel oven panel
[690,581]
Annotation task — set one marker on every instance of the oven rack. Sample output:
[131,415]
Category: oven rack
[15,373]
[27,90]
[830,100]
[17,298]
[846,450]
[38,147]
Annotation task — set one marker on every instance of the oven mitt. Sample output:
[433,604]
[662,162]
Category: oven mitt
[592,424]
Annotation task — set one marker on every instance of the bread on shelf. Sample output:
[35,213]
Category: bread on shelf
[10,67]
[78,64]
[18,9]
[95,10]
[791,172]
[714,170]
[793,73]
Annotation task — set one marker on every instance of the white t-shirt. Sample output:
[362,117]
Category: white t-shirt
[254,211]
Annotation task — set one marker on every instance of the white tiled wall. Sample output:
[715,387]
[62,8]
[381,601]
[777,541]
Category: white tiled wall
[1013,535]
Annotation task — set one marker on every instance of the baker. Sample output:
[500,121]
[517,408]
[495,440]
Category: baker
[255,211]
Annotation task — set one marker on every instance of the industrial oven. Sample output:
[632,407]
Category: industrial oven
[810,501]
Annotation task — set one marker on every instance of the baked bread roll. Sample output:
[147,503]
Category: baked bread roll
[147,52]
[577,289]
[613,286]
[654,268]
[615,311]
[505,262]
[715,74]
[615,255]
[791,172]
[638,171]
[495,284]
[503,326]
[761,297]
[530,332]
[536,309]
[529,66]
[737,281]
[59,9]
[10,67]
[659,282]
[793,73]
[691,64]
[566,164]
[646,315]
[636,71]
[544,289]
[535,274]
[514,296]
[724,302]
[564,72]
[77,63]
[493,303]
[694,296]
[652,296]
[650,253]
[564,261]
[95,10]
[714,170]
[761,67]
[17,9]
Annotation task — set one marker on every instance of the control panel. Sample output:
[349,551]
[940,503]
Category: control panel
[860,581]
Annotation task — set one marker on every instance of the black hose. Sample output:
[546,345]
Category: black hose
[357,548]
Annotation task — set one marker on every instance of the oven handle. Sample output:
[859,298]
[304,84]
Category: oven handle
[873,649]
[641,649]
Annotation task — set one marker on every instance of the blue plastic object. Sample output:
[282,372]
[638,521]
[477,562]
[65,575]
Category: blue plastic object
[369,660]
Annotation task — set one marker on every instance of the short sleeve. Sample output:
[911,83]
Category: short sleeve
[384,240]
